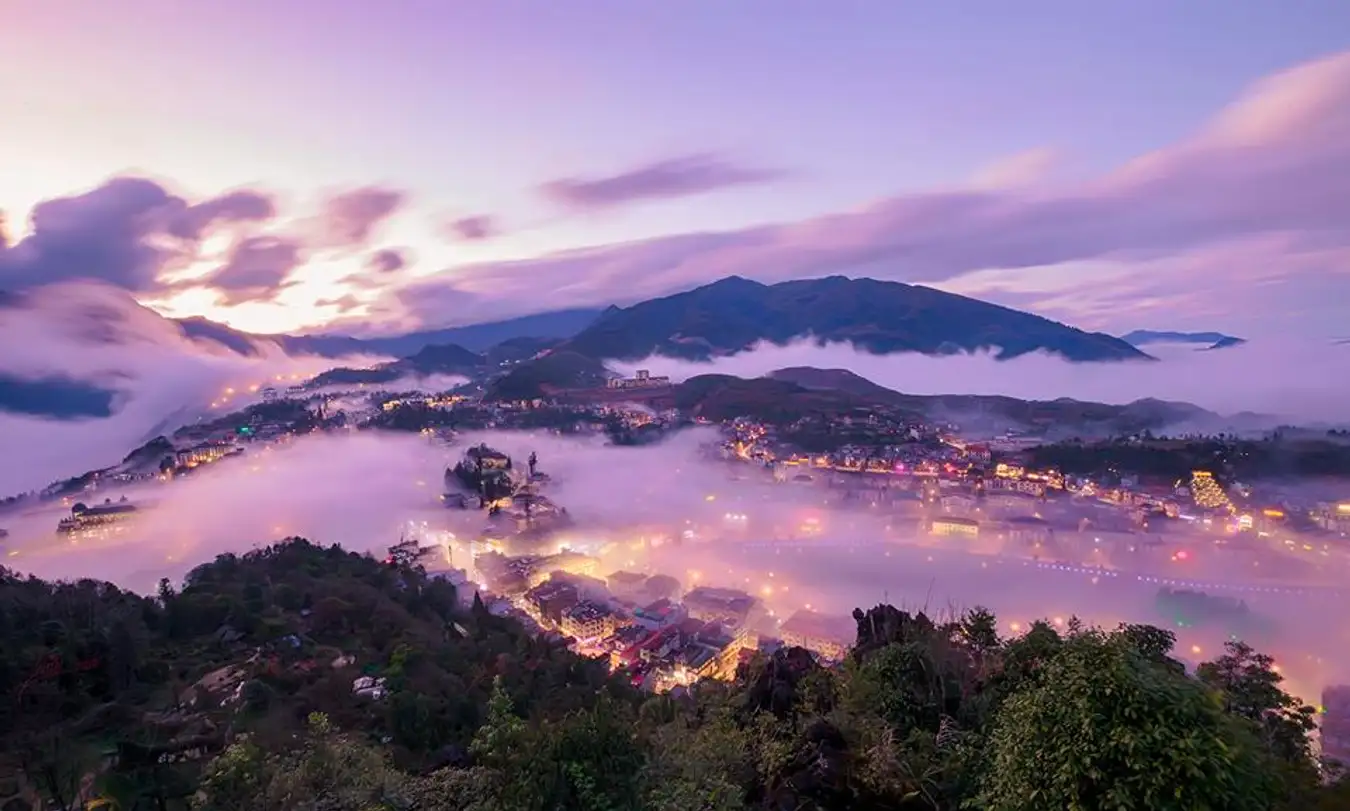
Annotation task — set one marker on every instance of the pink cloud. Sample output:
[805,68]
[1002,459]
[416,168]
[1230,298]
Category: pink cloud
[473,229]
[674,177]
[125,232]
[1275,161]
[349,219]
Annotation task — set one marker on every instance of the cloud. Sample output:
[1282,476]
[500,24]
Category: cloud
[1023,169]
[349,219]
[96,336]
[682,176]
[1275,162]
[1300,380]
[257,269]
[477,228]
[125,232]
[387,260]
[243,205]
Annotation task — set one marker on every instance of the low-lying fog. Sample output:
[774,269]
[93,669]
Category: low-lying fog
[361,489]
[1298,380]
[96,334]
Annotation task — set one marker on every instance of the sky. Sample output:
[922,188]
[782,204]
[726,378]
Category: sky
[374,168]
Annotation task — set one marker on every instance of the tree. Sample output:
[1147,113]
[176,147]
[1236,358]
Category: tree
[1250,687]
[1105,727]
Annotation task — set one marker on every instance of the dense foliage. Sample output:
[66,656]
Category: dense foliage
[476,715]
[1243,460]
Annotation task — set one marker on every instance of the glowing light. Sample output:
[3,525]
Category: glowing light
[1059,622]
[1015,627]
[1195,649]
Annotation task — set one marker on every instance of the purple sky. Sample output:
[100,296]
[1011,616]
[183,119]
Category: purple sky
[435,162]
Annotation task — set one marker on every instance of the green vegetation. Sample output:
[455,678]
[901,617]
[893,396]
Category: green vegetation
[1242,460]
[235,694]
[560,369]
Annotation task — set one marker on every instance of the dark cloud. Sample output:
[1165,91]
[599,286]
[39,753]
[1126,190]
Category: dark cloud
[675,177]
[125,232]
[343,304]
[473,229]
[243,205]
[387,260]
[349,219]
[102,234]
[257,269]
[1276,162]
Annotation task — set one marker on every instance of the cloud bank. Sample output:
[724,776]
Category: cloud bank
[1298,380]
[361,490]
[157,378]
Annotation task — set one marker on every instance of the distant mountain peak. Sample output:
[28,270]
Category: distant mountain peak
[1212,340]
[734,314]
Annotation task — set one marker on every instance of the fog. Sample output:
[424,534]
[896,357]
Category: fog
[1303,381]
[670,509]
[98,335]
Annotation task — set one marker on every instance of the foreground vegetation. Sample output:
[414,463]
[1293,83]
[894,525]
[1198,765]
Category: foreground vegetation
[105,696]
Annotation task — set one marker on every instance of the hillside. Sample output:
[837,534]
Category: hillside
[724,397]
[1210,340]
[996,411]
[734,314]
[559,369]
[440,359]
[241,690]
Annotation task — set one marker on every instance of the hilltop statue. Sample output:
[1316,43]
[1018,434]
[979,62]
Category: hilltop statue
[534,462]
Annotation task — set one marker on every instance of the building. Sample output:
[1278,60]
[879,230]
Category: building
[203,454]
[643,380]
[728,606]
[1029,530]
[659,614]
[626,585]
[83,518]
[827,636]
[587,620]
[548,601]
[954,526]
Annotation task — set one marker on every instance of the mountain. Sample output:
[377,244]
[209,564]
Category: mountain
[1213,340]
[735,314]
[440,359]
[1224,342]
[559,369]
[54,397]
[994,412]
[475,337]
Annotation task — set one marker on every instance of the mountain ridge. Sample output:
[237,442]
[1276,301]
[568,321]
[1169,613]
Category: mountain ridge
[1213,340]
[735,314]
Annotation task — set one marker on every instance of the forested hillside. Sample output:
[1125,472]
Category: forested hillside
[236,692]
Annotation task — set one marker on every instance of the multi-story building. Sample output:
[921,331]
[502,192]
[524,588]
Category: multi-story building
[587,620]
[626,585]
[728,606]
[643,380]
[203,454]
[827,636]
[547,601]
